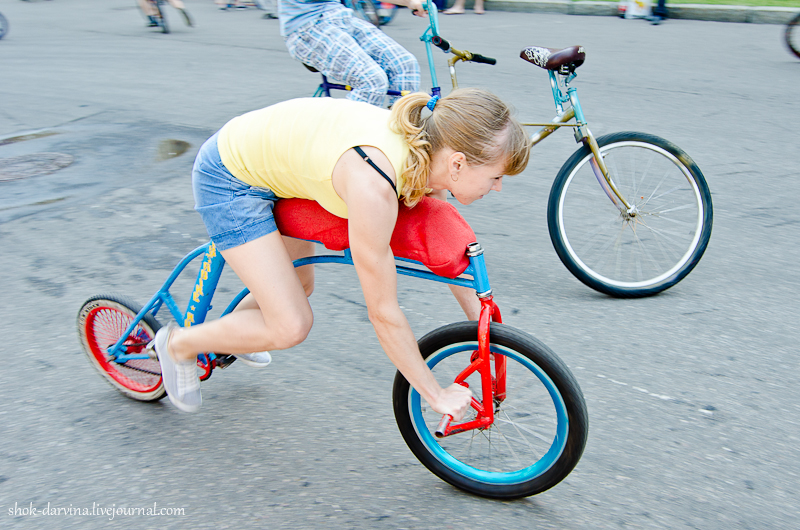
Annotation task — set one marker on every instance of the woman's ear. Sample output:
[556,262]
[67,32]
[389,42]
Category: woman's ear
[457,162]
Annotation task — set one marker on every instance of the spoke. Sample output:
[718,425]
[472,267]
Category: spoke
[525,428]
[674,209]
[589,239]
[514,454]
[528,430]
[666,193]
[658,186]
[648,255]
[664,234]
[613,240]
[644,174]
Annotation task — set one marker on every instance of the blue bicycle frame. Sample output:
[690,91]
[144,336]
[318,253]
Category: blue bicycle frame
[211,269]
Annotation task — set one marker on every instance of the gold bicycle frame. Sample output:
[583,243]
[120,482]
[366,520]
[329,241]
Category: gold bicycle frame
[582,133]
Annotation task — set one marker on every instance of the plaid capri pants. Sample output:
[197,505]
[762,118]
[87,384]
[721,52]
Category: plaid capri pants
[354,52]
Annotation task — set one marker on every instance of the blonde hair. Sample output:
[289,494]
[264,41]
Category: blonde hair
[468,120]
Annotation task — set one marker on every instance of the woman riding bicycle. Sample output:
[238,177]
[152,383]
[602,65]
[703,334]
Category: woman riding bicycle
[309,148]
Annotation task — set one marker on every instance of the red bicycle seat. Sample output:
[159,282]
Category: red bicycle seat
[432,232]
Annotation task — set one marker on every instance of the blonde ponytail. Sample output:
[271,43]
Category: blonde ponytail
[406,119]
[470,120]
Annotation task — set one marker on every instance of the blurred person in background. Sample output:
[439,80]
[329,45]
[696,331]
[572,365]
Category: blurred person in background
[459,9]
[659,12]
[329,37]
[264,5]
[150,11]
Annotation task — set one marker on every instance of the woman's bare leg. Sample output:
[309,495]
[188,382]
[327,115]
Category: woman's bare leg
[280,318]
[297,248]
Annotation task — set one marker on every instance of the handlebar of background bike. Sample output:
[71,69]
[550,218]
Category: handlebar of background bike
[442,44]
[477,58]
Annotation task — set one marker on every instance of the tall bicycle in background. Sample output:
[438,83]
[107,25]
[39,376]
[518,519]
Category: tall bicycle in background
[792,35]
[629,213]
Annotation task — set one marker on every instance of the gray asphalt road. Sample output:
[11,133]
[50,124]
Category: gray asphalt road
[692,395]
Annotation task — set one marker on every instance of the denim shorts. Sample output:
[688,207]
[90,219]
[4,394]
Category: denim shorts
[234,212]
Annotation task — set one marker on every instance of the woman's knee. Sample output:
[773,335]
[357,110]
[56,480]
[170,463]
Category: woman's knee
[293,331]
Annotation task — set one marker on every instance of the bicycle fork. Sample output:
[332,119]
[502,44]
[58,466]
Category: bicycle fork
[583,135]
[493,386]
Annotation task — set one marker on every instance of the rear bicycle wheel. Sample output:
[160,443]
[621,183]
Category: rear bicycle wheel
[620,254]
[101,322]
[792,35]
[539,431]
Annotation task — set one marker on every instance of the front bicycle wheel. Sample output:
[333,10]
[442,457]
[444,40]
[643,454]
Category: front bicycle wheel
[637,253]
[792,35]
[101,322]
[539,431]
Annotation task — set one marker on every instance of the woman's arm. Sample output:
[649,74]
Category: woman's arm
[372,211]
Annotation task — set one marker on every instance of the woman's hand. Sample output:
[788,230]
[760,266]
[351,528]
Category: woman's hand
[454,400]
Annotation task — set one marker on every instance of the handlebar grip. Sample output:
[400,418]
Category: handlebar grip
[440,43]
[443,425]
[477,58]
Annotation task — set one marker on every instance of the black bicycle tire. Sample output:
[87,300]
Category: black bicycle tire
[133,309]
[546,360]
[793,28]
[561,249]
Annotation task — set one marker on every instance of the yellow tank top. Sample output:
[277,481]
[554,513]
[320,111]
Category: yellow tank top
[292,147]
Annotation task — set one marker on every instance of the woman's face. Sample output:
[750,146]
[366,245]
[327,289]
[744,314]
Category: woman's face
[450,171]
[474,182]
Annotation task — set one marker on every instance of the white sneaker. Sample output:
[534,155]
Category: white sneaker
[255,360]
[180,378]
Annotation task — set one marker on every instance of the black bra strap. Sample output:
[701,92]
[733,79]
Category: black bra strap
[363,155]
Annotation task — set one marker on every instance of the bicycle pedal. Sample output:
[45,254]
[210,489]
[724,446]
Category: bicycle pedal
[223,361]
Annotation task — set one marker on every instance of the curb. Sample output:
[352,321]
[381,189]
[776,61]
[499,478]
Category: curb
[714,13]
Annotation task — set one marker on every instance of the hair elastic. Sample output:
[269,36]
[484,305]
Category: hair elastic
[432,102]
